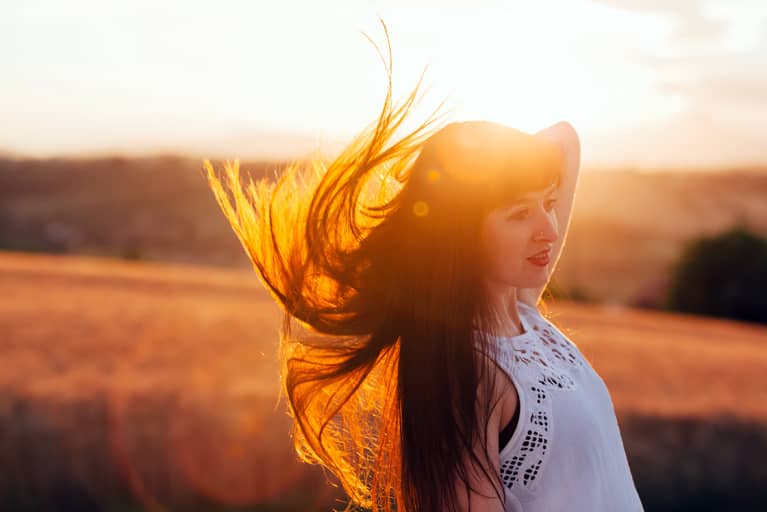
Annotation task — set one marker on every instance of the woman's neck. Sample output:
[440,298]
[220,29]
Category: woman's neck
[507,308]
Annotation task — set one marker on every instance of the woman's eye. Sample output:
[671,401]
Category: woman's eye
[522,214]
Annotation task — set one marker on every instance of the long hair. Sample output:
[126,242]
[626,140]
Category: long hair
[375,255]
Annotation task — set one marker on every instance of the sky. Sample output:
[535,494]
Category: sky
[647,84]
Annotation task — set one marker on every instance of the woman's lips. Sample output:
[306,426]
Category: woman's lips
[541,260]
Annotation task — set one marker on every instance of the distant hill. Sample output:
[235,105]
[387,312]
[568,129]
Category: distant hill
[628,227]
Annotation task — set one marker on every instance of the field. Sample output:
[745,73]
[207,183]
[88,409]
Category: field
[154,386]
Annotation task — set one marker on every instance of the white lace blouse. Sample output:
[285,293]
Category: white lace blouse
[566,452]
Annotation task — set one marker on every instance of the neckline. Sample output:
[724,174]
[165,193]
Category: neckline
[523,321]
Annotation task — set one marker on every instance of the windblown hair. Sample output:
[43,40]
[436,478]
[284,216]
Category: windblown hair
[376,256]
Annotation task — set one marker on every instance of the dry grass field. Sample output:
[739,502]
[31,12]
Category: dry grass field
[149,386]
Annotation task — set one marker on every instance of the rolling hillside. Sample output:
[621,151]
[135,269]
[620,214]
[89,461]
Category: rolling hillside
[628,228]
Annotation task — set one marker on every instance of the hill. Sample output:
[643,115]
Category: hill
[627,228]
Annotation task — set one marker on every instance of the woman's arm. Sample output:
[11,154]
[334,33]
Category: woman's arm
[565,135]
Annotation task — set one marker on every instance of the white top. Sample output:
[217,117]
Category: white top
[566,452]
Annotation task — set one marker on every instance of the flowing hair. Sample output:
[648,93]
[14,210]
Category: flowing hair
[375,256]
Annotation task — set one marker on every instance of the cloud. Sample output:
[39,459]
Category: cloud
[693,25]
[734,79]
[742,88]
[692,138]
[726,109]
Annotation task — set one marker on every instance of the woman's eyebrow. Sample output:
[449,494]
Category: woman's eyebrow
[521,200]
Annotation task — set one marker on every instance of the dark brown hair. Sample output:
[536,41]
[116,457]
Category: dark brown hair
[376,256]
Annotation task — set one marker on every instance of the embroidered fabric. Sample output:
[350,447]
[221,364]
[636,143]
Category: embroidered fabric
[549,361]
[558,389]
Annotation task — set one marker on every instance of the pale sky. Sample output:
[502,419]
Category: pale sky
[646,83]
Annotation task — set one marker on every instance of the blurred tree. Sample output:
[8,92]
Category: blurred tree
[556,290]
[722,275]
[132,251]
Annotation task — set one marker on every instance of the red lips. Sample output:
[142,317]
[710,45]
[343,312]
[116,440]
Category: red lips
[541,254]
[541,259]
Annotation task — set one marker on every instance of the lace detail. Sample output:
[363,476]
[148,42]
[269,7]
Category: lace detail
[559,347]
[541,359]
[551,356]
[525,465]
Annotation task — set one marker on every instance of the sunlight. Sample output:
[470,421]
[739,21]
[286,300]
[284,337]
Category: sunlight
[610,70]
[536,100]
[524,67]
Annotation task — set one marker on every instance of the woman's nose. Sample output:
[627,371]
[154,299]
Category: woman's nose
[547,228]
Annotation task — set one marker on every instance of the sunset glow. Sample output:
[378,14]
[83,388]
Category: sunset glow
[645,86]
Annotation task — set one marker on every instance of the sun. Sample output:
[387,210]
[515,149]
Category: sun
[527,89]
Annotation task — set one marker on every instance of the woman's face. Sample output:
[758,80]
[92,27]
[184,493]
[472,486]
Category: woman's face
[510,235]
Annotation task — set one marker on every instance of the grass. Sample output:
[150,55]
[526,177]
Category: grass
[132,386]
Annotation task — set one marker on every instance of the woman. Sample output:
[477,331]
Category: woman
[425,377]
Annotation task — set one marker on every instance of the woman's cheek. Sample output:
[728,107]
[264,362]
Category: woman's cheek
[502,247]
[508,255]
[512,245]
[498,258]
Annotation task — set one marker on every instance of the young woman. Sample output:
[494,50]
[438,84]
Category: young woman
[424,376]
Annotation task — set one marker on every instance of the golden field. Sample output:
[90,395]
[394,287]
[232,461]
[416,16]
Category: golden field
[154,386]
